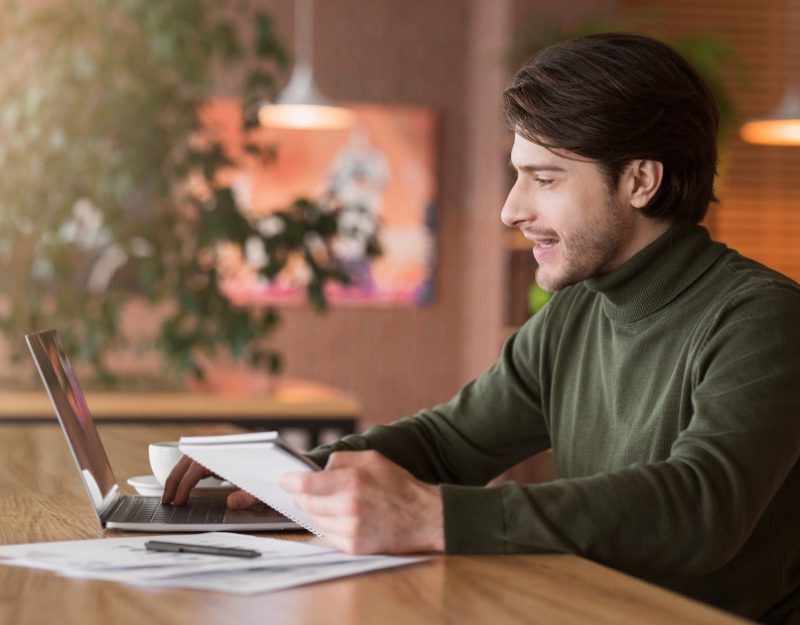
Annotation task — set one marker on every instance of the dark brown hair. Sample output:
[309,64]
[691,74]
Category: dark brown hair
[616,97]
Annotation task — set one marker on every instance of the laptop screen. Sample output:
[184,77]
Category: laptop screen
[73,414]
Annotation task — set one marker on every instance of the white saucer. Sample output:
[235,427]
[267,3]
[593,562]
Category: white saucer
[148,485]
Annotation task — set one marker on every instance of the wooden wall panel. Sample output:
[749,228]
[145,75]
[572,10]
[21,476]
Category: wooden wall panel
[759,186]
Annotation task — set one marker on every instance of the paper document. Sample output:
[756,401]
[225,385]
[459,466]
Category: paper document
[283,563]
[253,462]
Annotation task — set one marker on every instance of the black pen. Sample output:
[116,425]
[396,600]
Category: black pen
[210,550]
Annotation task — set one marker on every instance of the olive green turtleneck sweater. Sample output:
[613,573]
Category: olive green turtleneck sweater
[669,390]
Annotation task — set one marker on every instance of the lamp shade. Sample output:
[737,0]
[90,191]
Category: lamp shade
[781,128]
[300,105]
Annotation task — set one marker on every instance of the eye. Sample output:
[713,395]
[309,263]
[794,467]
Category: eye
[544,182]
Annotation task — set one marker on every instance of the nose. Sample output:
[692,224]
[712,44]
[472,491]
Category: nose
[516,209]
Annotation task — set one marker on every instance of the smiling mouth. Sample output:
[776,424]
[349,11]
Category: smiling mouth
[543,246]
[541,242]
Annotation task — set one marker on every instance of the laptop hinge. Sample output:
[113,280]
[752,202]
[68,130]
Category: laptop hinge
[109,504]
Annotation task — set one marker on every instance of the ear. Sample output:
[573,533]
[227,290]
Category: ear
[643,178]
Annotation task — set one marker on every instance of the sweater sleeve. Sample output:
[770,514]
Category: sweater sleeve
[493,423]
[692,512]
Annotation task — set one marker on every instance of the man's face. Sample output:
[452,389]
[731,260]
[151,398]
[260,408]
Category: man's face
[578,227]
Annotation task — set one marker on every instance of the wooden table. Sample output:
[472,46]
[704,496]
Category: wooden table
[41,499]
[290,403]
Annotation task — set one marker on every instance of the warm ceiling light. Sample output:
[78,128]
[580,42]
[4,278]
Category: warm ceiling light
[305,116]
[301,105]
[783,126]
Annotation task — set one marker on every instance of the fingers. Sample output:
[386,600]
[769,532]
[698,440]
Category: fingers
[194,474]
[183,478]
[364,503]
[323,482]
[239,500]
[342,533]
[344,459]
[175,476]
[342,504]
[344,470]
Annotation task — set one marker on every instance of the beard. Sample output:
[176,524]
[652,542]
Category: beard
[587,251]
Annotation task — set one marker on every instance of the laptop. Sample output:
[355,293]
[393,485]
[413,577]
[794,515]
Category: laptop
[115,510]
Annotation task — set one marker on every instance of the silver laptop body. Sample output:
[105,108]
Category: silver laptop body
[113,509]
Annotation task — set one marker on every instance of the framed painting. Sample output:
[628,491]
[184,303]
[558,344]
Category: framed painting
[381,171]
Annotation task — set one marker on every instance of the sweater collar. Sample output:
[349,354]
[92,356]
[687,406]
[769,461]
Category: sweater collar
[657,274]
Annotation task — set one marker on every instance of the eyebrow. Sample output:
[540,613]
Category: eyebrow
[536,168]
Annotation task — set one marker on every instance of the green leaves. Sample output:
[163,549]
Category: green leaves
[225,41]
[98,103]
[222,221]
[267,45]
[99,106]
[205,318]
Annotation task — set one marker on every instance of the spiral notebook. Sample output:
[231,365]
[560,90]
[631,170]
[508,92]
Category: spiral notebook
[254,462]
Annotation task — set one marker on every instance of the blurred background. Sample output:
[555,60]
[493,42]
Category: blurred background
[154,213]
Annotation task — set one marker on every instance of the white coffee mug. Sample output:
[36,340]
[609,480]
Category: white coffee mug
[163,457]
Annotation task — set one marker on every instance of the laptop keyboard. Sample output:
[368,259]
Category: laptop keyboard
[151,510]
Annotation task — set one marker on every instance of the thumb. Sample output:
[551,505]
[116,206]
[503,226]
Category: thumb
[351,459]
[240,499]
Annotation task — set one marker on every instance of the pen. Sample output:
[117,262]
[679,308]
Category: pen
[161,545]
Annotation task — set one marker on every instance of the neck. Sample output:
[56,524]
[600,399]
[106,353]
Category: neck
[643,232]
[656,274]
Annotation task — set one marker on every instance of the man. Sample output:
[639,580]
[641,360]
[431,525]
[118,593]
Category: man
[664,373]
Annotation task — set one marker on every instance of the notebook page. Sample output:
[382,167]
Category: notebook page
[255,468]
[248,437]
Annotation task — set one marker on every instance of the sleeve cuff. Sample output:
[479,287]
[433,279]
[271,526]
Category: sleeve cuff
[320,455]
[473,519]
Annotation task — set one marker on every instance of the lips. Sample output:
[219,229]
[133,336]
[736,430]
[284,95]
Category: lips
[543,245]
[540,240]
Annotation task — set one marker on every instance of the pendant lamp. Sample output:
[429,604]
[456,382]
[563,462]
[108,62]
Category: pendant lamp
[301,105]
[783,126]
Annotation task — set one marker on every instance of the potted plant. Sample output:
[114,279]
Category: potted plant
[112,185]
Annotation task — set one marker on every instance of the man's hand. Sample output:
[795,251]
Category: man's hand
[366,504]
[185,476]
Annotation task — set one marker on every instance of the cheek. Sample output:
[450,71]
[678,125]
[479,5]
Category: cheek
[564,219]
[583,210]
